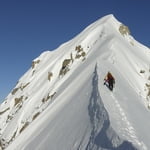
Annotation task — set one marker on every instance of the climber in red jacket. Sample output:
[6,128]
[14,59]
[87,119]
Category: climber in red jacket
[109,81]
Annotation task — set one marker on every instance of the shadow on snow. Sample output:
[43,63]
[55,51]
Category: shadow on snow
[102,134]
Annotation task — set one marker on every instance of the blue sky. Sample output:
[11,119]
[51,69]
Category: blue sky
[29,27]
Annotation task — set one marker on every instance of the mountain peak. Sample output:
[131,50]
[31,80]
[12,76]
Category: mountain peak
[60,96]
[108,17]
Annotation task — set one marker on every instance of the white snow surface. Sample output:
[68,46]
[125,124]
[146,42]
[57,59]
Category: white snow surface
[76,111]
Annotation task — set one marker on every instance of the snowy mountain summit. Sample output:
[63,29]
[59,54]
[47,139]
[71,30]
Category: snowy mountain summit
[61,103]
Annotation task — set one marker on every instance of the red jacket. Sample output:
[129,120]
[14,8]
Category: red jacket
[109,77]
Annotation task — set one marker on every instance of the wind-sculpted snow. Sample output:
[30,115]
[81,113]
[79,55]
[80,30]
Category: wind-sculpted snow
[102,134]
[59,104]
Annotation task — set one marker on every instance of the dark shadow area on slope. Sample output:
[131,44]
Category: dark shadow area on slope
[102,134]
[102,140]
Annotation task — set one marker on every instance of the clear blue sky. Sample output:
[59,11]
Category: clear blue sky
[29,27]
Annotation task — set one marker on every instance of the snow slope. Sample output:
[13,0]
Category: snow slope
[60,103]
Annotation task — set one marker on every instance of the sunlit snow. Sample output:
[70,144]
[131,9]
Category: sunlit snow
[61,103]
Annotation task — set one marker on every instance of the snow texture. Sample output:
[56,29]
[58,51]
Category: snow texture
[102,135]
[61,103]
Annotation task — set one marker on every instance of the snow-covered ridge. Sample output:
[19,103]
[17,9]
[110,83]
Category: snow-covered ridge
[54,97]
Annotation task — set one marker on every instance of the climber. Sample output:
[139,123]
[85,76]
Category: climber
[109,81]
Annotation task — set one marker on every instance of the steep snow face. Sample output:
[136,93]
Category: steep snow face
[87,126]
[59,103]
